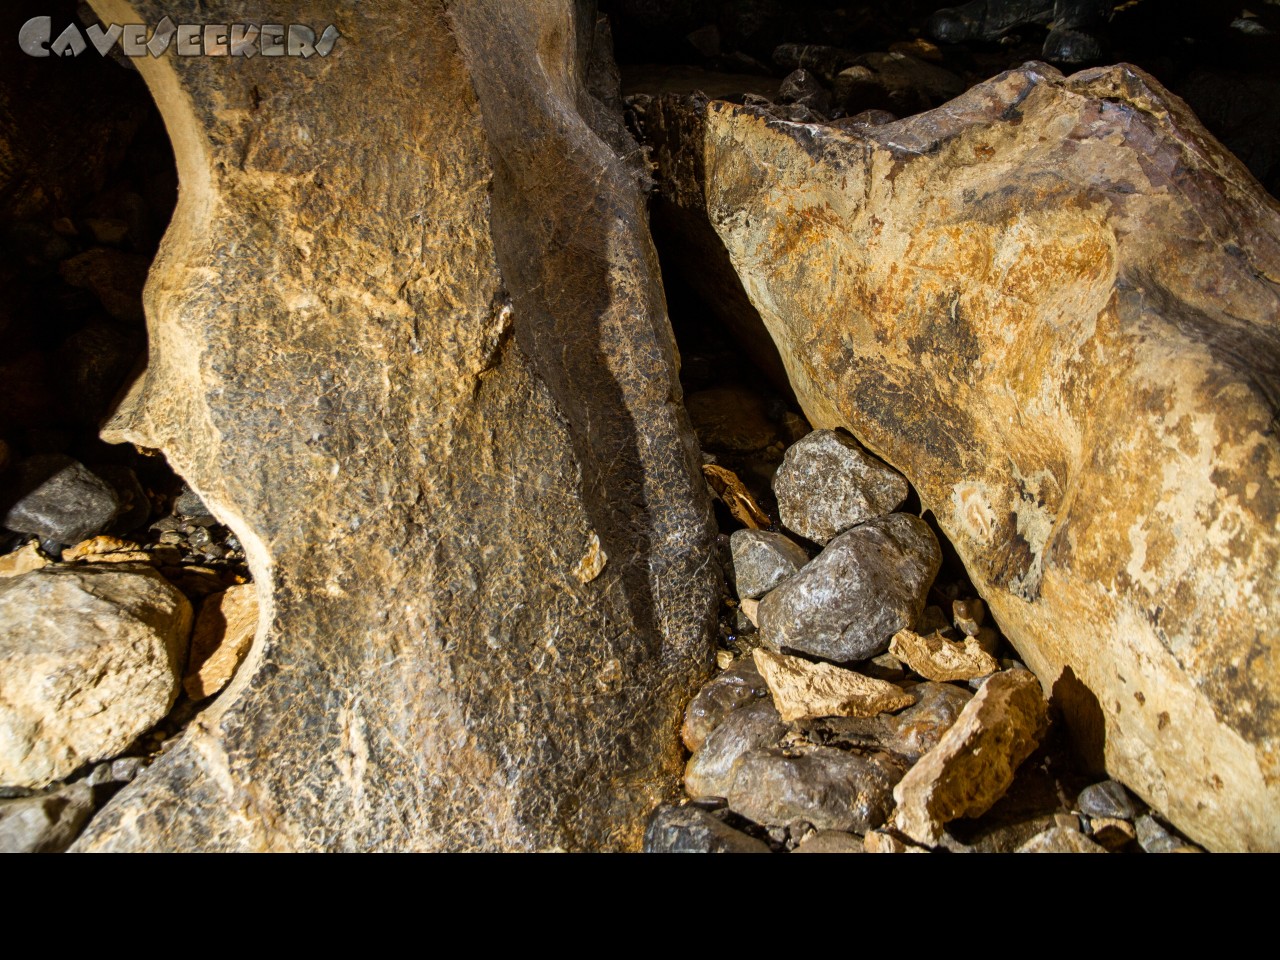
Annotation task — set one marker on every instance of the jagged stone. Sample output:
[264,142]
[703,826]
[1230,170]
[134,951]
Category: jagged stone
[413,350]
[57,498]
[803,690]
[1052,304]
[910,733]
[1060,840]
[974,762]
[45,823]
[937,658]
[223,633]
[762,560]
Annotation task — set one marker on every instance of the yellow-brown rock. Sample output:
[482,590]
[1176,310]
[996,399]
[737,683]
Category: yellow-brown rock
[937,658]
[23,560]
[408,340]
[803,690]
[222,636]
[1054,304]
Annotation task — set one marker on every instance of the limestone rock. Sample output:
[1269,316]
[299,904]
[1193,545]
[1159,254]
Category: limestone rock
[882,841]
[762,560]
[1052,305]
[868,584]
[1060,840]
[23,560]
[105,550]
[937,658]
[739,685]
[56,498]
[711,771]
[973,764]
[222,636]
[92,657]
[803,690]
[831,841]
[414,355]
[690,830]
[827,483]
[831,789]
[45,823]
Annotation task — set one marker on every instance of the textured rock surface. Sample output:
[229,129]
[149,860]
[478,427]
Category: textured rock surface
[222,636]
[1060,840]
[1106,799]
[831,841]
[739,685]
[690,830]
[831,789]
[910,733]
[804,691]
[23,560]
[869,583]
[710,771]
[90,657]
[47,823]
[762,560]
[413,350]
[56,498]
[937,658]
[974,762]
[1053,305]
[827,483]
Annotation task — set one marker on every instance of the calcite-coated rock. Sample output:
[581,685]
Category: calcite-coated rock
[690,830]
[974,762]
[56,498]
[711,771]
[408,340]
[937,658]
[91,658]
[1060,840]
[803,690]
[763,559]
[223,633]
[45,823]
[827,483]
[831,789]
[739,685]
[869,583]
[1052,304]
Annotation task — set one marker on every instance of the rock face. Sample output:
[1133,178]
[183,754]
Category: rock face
[827,483]
[91,658]
[1053,305]
[470,386]
[869,583]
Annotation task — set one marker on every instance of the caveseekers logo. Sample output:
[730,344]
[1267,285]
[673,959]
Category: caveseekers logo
[186,39]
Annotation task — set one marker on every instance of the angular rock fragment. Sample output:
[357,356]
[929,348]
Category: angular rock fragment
[711,771]
[56,498]
[46,823]
[831,789]
[803,690]
[831,841]
[910,733]
[1112,833]
[739,685]
[762,560]
[92,657]
[223,633]
[1069,347]
[968,615]
[690,830]
[869,583]
[1060,840]
[974,763]
[937,658]
[105,550]
[1106,799]
[827,483]
[23,560]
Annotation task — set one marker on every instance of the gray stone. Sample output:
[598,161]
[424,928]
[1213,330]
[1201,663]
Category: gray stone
[740,684]
[689,829]
[911,733]
[135,506]
[47,823]
[831,789]
[1107,799]
[1155,837]
[827,483]
[57,498]
[868,584]
[92,658]
[710,771]
[762,560]
[189,504]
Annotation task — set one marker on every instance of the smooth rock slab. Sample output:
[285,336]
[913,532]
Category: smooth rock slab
[90,657]
[869,583]
[710,772]
[827,483]
[803,690]
[974,762]
[739,685]
[1052,304]
[831,789]
[690,830]
[57,498]
[762,560]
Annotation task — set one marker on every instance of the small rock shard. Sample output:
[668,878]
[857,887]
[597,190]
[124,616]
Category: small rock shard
[937,658]
[827,483]
[724,483]
[804,691]
[592,563]
[762,560]
[974,763]
[105,550]
[222,637]
[689,829]
[23,560]
[751,610]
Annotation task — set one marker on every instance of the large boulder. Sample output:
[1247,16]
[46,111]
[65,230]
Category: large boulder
[1053,304]
[408,340]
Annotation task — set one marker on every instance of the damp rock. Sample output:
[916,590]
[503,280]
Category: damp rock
[689,829]
[739,685]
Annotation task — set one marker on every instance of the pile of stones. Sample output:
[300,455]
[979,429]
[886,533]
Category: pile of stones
[851,714]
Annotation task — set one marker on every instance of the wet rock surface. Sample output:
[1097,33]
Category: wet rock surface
[737,686]
[690,830]
[712,770]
